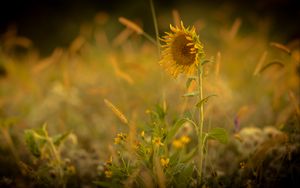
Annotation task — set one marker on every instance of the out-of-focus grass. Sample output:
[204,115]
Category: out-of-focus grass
[66,90]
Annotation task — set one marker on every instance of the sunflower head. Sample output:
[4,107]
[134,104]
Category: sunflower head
[181,51]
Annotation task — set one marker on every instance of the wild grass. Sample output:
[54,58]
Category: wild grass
[113,121]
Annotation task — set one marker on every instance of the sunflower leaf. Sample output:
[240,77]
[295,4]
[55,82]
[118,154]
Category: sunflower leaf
[206,61]
[189,81]
[200,103]
[192,94]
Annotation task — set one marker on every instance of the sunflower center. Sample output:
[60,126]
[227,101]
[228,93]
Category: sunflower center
[181,52]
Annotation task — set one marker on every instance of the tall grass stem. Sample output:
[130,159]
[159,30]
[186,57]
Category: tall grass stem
[155,26]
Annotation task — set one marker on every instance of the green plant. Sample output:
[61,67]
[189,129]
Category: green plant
[157,154]
[52,168]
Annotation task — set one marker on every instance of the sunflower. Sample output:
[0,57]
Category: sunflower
[182,51]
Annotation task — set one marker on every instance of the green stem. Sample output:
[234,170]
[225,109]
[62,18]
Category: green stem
[151,39]
[201,120]
[10,143]
[158,45]
[155,26]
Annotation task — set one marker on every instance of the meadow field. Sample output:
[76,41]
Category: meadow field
[105,112]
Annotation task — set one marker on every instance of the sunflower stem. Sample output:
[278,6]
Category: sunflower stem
[201,121]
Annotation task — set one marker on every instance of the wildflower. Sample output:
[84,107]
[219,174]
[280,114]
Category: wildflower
[120,137]
[164,162]
[117,140]
[185,140]
[143,134]
[157,142]
[108,173]
[242,165]
[182,51]
[177,143]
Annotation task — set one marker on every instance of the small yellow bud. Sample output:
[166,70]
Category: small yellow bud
[117,140]
[108,173]
[157,142]
[164,162]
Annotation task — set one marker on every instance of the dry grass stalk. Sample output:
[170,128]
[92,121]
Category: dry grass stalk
[260,63]
[176,17]
[235,28]
[122,37]
[131,25]
[119,73]
[281,47]
[77,44]
[160,174]
[116,111]
[45,63]
[218,63]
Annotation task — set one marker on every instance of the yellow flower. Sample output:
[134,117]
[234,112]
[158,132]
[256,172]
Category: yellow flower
[108,173]
[182,51]
[185,139]
[177,143]
[242,165]
[117,140]
[143,134]
[157,142]
[120,137]
[164,162]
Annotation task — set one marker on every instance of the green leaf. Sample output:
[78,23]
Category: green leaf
[192,94]
[58,139]
[32,143]
[174,129]
[174,158]
[160,112]
[189,81]
[190,155]
[206,61]
[200,103]
[185,175]
[219,134]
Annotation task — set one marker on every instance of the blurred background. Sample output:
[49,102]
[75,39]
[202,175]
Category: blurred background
[59,60]
[52,23]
